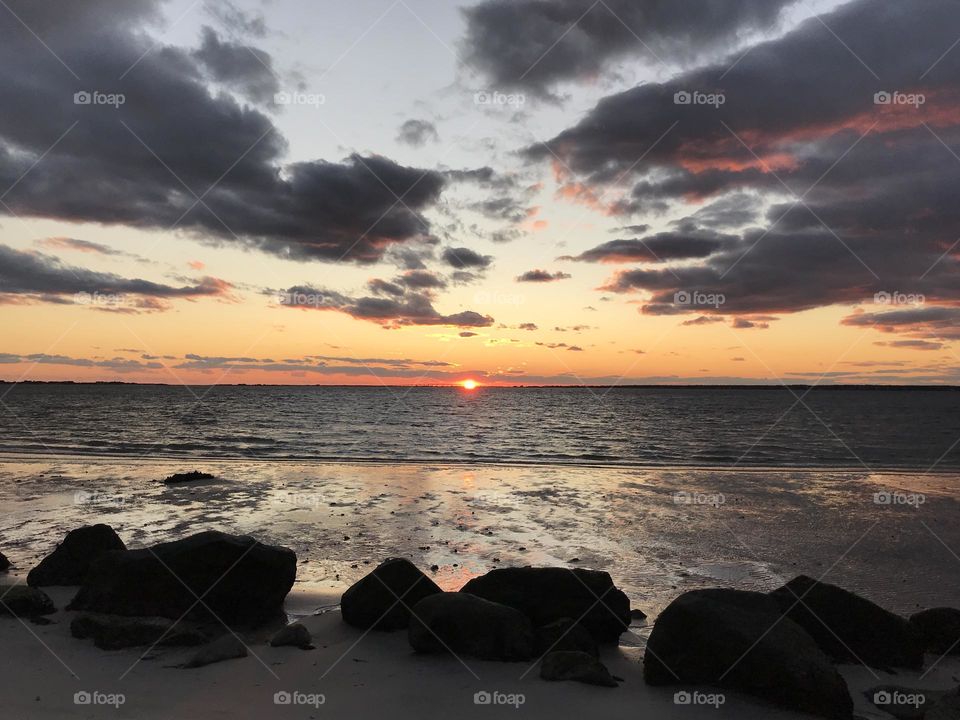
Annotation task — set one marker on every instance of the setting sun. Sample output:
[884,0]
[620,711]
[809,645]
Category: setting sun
[469,384]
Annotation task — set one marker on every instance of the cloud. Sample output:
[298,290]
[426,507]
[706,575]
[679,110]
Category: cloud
[35,277]
[174,139]
[932,322]
[243,68]
[417,133]
[466,258]
[832,197]
[412,308]
[532,45]
[656,248]
[912,344]
[542,276]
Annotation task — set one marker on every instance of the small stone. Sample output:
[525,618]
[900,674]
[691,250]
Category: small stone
[576,665]
[295,635]
[227,647]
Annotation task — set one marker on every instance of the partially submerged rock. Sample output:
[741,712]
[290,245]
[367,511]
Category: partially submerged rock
[113,632]
[239,580]
[4,563]
[741,641]
[227,647]
[850,628]
[382,599]
[191,476]
[70,562]
[295,635]
[575,665]
[939,630]
[24,602]
[468,625]
[546,595]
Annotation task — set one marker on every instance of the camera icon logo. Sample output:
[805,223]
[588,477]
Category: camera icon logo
[282,98]
[882,98]
[682,698]
[282,698]
[682,97]
[882,697]
[82,98]
[682,297]
[482,98]
[882,298]
[482,698]
[82,698]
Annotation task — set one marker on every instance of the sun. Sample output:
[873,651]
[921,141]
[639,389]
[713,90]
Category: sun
[469,384]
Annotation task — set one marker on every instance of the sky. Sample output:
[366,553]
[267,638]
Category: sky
[514,192]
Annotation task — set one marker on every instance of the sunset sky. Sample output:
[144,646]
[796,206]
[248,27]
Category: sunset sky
[281,191]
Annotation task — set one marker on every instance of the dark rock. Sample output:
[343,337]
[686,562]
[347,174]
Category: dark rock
[226,647]
[295,635]
[574,665]
[382,599]
[4,563]
[69,563]
[850,628]
[469,625]
[638,615]
[23,601]
[741,641]
[548,594]
[240,581]
[939,630]
[565,634]
[113,632]
[188,477]
[946,708]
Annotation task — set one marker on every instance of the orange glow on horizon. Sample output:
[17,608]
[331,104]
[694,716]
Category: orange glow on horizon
[470,384]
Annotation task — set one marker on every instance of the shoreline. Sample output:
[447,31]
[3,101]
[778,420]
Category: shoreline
[184,460]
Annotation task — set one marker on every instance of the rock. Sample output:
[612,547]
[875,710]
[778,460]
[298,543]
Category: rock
[23,601]
[548,594]
[4,563]
[187,477]
[226,647]
[240,580]
[565,634]
[575,665]
[741,641]
[69,563]
[939,630]
[946,708]
[637,615]
[382,599]
[469,625]
[295,635]
[113,632]
[850,628]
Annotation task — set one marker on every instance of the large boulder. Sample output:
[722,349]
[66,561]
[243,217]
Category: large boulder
[575,665]
[740,641]
[23,601]
[565,635]
[382,599]
[850,628]
[939,630]
[469,625]
[4,563]
[113,632]
[546,595]
[946,708]
[209,576]
[69,563]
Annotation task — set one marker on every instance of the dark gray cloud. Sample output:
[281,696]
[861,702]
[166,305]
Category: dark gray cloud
[412,308]
[463,258]
[243,68]
[817,194]
[936,323]
[532,44]
[145,163]
[655,248]
[542,276]
[418,133]
[36,277]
